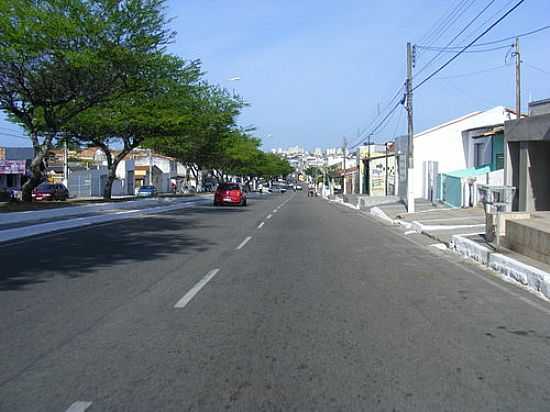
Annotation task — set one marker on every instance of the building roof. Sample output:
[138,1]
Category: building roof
[16,153]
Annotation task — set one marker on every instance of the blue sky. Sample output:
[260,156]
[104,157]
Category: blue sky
[316,71]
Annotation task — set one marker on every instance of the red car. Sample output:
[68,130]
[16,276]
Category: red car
[230,194]
[50,191]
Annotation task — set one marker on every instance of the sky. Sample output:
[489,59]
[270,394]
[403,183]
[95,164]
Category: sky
[316,71]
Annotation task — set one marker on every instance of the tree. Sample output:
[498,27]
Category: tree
[201,142]
[313,171]
[59,58]
[159,110]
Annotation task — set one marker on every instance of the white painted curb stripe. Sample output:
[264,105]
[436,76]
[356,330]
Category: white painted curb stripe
[41,228]
[79,406]
[244,242]
[196,289]
[261,225]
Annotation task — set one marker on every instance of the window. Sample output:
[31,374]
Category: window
[229,186]
[481,154]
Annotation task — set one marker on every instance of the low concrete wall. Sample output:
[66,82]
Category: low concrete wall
[491,221]
[530,237]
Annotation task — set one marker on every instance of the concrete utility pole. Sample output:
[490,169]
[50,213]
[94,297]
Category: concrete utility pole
[65,163]
[410,151]
[344,149]
[150,167]
[518,79]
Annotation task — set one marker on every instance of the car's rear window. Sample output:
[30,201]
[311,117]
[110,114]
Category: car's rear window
[229,186]
[45,186]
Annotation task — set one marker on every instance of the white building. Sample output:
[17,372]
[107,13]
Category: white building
[443,148]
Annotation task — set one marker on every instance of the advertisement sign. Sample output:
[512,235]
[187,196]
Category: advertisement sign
[12,167]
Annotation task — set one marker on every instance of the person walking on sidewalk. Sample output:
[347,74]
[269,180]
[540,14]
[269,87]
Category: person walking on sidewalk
[310,190]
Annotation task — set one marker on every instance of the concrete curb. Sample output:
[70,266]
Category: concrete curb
[511,270]
[50,227]
[529,277]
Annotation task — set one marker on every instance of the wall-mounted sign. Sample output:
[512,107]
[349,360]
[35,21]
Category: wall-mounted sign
[12,167]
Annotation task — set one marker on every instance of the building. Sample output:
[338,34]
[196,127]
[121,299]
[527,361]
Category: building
[14,164]
[375,170]
[484,152]
[527,164]
[445,148]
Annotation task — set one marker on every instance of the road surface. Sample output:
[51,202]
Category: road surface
[290,304]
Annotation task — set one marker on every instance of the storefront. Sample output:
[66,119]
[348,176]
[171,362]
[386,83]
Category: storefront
[12,174]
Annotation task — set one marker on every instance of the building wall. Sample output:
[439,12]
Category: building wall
[445,145]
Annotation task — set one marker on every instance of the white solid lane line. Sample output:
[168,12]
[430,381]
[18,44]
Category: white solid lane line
[79,406]
[244,242]
[269,216]
[261,225]
[196,289]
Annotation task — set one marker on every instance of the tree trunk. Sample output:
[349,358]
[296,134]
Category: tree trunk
[108,189]
[112,165]
[37,175]
[37,166]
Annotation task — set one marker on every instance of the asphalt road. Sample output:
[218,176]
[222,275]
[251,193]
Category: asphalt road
[289,304]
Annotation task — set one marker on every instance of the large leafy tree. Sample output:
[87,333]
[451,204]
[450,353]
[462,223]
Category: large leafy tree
[201,143]
[59,58]
[157,111]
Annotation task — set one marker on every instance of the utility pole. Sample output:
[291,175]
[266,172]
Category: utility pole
[150,167]
[518,79]
[344,149]
[65,163]
[507,158]
[410,151]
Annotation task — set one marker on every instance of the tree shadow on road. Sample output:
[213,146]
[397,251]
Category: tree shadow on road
[82,252]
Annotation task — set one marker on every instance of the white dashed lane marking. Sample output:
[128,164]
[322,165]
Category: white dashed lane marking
[244,242]
[195,289]
[79,406]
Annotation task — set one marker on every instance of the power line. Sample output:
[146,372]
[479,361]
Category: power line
[381,123]
[477,16]
[451,19]
[487,30]
[14,135]
[537,68]
[453,50]
[490,69]
[363,133]
[489,43]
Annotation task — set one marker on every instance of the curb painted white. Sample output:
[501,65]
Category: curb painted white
[379,213]
[42,228]
[529,277]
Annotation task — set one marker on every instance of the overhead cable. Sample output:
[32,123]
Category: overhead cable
[487,30]
[488,43]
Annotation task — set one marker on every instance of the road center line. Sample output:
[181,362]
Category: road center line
[244,242]
[269,216]
[195,289]
[261,225]
[79,406]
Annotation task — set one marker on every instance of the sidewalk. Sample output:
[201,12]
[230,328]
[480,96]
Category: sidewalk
[24,224]
[463,232]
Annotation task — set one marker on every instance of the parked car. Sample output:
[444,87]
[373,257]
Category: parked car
[50,191]
[298,187]
[147,191]
[231,194]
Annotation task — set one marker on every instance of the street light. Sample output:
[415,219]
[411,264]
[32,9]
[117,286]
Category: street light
[234,79]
